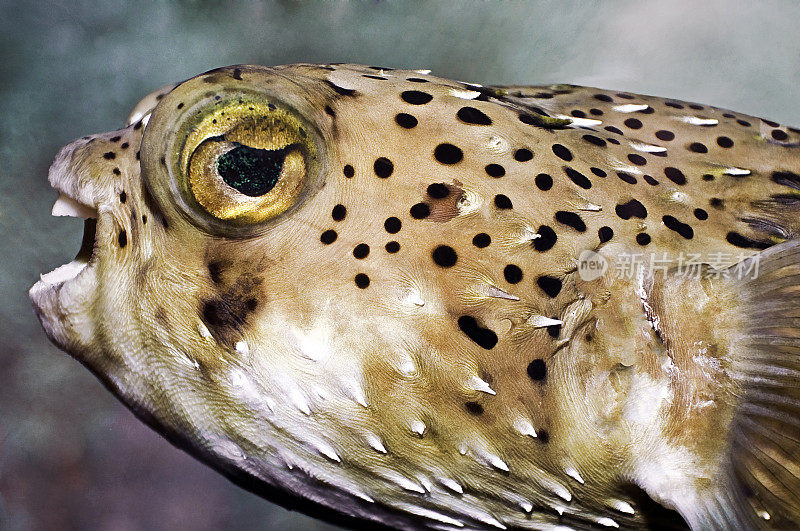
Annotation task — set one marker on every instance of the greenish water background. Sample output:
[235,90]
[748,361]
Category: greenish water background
[70,456]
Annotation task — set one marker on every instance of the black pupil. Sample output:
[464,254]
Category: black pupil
[251,171]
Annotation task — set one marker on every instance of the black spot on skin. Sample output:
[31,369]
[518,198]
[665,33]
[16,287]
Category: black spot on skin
[495,170]
[603,97]
[137,126]
[642,238]
[438,191]
[543,181]
[546,240]
[329,111]
[383,167]
[537,370]
[416,80]
[340,90]
[339,212]
[666,136]
[523,155]
[115,138]
[717,203]
[578,178]
[444,256]
[673,104]
[627,177]
[471,115]
[605,234]
[649,180]
[543,436]
[596,140]
[227,313]
[370,76]
[612,129]
[348,171]
[633,123]
[144,219]
[700,214]
[724,142]
[743,123]
[109,155]
[420,211]
[215,272]
[554,330]
[474,408]
[562,152]
[787,178]
[362,281]
[123,196]
[180,105]
[483,337]
[779,135]
[678,226]
[448,154]
[697,147]
[392,225]
[481,240]
[595,112]
[637,159]
[631,209]
[675,175]
[550,285]
[122,239]
[571,219]
[237,74]
[328,237]
[512,274]
[415,97]
[502,202]
[392,247]
[597,171]
[116,171]
[361,251]
[739,240]
[405,120]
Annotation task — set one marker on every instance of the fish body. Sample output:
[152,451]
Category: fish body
[431,304]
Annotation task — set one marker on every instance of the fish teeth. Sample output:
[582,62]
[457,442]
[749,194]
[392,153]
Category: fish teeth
[66,206]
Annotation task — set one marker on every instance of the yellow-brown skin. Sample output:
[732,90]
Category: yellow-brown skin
[251,345]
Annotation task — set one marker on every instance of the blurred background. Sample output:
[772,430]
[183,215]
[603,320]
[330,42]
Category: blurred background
[71,457]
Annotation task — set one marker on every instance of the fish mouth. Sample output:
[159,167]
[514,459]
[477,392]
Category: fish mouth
[67,206]
[61,298]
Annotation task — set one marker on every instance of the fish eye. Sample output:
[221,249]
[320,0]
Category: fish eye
[233,159]
[246,162]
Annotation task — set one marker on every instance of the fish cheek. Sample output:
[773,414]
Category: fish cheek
[229,311]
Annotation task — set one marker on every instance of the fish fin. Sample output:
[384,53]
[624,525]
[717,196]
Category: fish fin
[759,485]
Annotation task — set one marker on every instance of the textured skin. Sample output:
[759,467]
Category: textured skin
[258,351]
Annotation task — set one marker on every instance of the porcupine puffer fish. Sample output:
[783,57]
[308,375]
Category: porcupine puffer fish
[361,292]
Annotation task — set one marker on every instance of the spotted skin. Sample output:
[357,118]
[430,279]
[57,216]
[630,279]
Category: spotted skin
[411,343]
